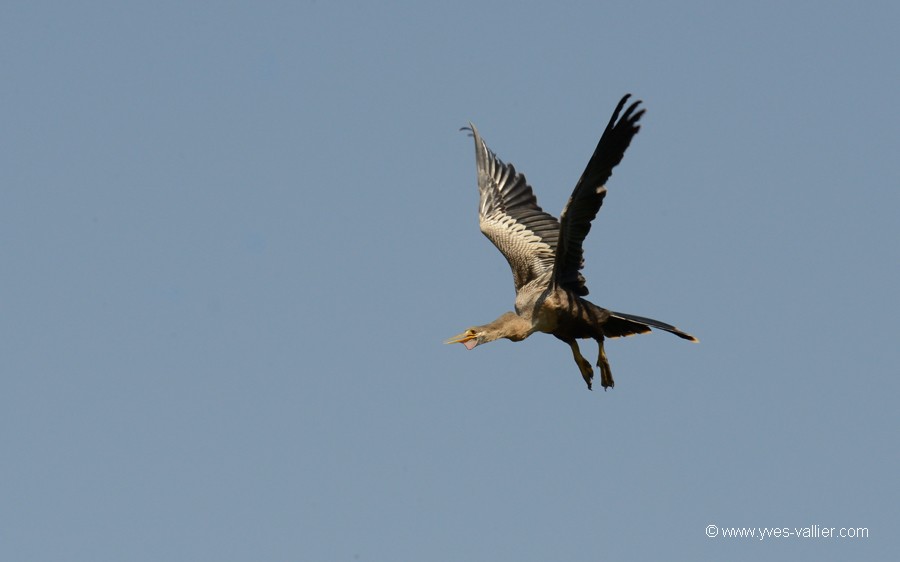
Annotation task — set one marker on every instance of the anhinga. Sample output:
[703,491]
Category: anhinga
[546,256]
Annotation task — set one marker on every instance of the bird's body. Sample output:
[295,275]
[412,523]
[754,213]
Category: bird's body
[545,254]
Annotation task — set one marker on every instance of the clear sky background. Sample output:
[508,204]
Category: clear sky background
[233,238]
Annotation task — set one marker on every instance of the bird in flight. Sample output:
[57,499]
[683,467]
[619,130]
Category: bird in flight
[546,255]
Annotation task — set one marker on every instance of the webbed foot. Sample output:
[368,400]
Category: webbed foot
[606,378]
[587,372]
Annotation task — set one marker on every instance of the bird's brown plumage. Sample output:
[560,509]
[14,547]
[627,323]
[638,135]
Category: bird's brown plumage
[546,255]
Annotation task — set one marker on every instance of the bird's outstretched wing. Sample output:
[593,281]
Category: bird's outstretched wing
[511,218]
[587,197]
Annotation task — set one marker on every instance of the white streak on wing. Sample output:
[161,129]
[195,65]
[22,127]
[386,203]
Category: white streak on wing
[528,255]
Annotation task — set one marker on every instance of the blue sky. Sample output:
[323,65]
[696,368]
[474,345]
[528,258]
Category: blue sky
[235,236]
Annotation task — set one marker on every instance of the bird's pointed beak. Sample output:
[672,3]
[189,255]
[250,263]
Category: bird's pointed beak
[465,338]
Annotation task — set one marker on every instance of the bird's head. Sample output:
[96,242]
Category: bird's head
[470,338]
[509,325]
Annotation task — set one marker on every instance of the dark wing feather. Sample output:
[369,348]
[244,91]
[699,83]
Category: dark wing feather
[588,196]
[511,218]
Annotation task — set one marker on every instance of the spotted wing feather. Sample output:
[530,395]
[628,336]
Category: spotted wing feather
[511,218]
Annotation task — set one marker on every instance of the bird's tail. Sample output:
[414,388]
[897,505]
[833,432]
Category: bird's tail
[620,324]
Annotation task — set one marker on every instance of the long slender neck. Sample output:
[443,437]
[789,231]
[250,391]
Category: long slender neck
[510,326]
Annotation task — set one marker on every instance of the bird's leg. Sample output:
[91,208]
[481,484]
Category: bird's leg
[606,378]
[587,372]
